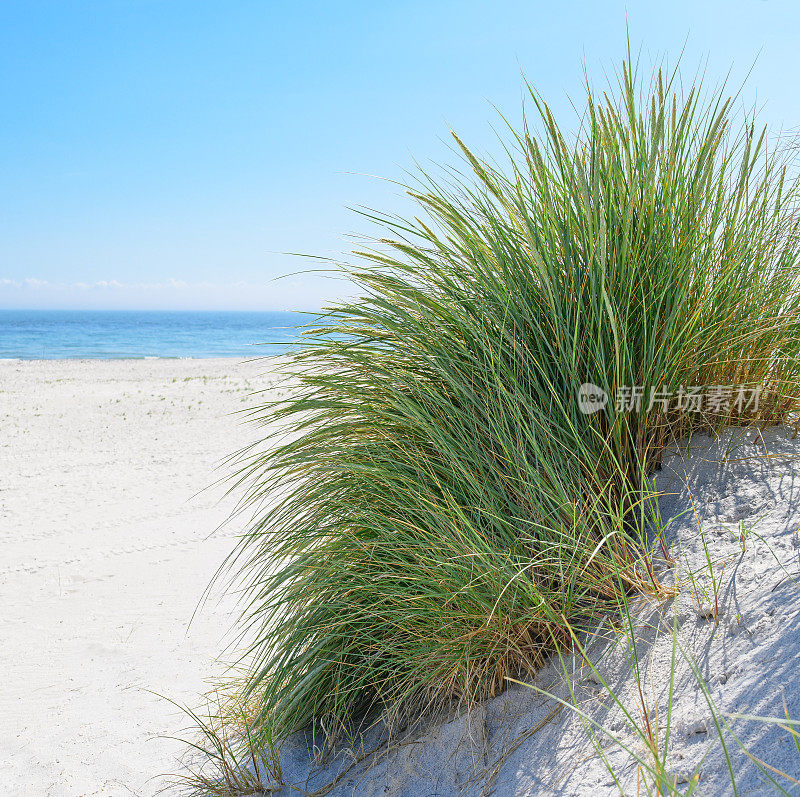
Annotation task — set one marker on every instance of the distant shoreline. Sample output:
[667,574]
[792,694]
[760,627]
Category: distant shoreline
[134,358]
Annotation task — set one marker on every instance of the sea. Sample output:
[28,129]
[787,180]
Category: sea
[118,334]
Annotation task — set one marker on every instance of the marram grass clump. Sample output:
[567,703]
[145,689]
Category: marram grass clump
[443,512]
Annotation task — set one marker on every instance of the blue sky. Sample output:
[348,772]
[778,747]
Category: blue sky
[164,153]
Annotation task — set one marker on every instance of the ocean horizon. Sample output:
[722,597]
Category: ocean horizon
[144,334]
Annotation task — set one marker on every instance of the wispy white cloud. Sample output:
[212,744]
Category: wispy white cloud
[39,284]
[172,293]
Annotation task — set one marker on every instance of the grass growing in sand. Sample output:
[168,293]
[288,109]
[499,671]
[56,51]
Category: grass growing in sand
[443,516]
[647,711]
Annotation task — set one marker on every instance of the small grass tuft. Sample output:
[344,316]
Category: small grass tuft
[225,758]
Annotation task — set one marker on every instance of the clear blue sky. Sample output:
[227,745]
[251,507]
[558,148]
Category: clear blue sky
[163,153]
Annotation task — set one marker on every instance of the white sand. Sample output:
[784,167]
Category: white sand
[104,555]
[103,558]
[750,661]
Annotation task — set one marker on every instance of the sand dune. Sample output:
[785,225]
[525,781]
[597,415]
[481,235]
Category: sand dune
[522,744]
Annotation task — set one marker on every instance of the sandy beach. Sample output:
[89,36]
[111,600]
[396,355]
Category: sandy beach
[105,519]
[107,543]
